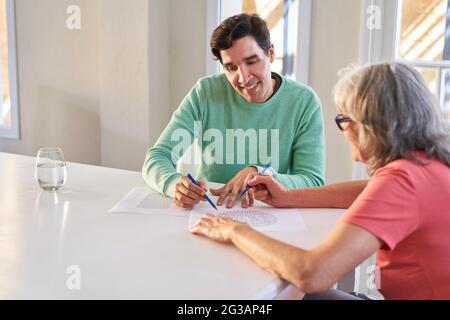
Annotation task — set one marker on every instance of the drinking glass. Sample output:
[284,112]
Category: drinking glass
[50,171]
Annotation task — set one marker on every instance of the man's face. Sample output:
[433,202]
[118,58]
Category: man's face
[247,68]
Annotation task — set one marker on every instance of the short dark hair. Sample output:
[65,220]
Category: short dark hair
[237,27]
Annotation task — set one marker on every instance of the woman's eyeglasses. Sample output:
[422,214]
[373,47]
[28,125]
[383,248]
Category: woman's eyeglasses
[342,122]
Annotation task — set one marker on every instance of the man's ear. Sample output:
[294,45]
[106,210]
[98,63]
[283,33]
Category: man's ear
[272,53]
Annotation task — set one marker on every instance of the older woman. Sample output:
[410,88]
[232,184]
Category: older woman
[403,214]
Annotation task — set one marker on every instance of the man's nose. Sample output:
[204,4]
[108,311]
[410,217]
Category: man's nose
[243,76]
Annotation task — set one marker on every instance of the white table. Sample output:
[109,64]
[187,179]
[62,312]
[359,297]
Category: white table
[126,256]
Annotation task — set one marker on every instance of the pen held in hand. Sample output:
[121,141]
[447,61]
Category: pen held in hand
[259,174]
[198,185]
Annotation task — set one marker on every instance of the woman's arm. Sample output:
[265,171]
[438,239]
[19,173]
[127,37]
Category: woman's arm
[309,271]
[340,195]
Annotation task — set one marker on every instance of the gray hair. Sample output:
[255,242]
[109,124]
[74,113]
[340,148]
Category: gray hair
[396,114]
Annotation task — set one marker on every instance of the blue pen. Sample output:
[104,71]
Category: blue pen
[259,174]
[198,185]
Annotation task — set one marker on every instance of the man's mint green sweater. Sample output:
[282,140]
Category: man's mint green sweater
[232,133]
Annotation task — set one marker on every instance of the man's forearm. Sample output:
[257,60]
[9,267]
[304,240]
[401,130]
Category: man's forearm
[340,195]
[159,172]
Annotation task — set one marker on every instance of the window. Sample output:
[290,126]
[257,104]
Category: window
[9,124]
[289,23]
[414,32]
[423,41]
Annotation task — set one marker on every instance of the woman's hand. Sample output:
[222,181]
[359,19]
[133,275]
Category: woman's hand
[233,189]
[217,228]
[268,190]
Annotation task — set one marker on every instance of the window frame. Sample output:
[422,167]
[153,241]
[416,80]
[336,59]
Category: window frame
[13,131]
[379,45]
[376,46]
[439,65]
[301,71]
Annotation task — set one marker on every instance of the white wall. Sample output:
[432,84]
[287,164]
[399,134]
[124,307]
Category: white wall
[58,80]
[187,46]
[130,105]
[334,45]
[102,92]
[105,93]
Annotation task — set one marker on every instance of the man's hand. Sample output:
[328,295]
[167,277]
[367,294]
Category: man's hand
[187,194]
[233,189]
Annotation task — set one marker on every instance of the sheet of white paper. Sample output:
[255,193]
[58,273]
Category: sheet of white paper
[146,201]
[260,217]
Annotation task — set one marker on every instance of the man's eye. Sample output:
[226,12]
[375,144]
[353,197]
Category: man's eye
[252,61]
[231,68]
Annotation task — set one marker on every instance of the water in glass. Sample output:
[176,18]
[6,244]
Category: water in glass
[51,172]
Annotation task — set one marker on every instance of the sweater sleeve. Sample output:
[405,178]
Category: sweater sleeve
[308,151]
[159,170]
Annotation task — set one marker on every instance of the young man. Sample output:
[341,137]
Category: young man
[241,121]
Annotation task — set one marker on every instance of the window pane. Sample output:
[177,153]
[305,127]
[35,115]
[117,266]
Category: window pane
[431,76]
[422,32]
[5,102]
